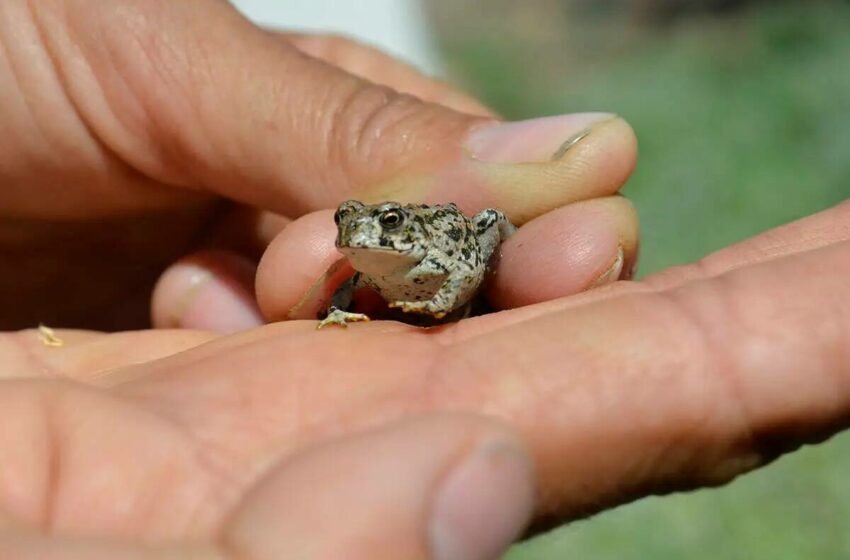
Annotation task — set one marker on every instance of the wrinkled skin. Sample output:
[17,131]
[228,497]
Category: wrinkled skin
[243,446]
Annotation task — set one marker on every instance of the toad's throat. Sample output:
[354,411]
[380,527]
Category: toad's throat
[380,261]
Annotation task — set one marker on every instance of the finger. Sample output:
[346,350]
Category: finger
[104,359]
[376,66]
[820,230]
[300,269]
[211,290]
[688,387]
[568,250]
[560,253]
[88,356]
[436,488]
[193,94]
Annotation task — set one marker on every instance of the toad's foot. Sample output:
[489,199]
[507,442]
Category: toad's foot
[420,307]
[341,318]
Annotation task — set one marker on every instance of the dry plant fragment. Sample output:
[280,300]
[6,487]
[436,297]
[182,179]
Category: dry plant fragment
[48,337]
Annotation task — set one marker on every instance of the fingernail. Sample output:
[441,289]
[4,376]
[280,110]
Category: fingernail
[204,300]
[631,271]
[535,140]
[484,503]
[612,273]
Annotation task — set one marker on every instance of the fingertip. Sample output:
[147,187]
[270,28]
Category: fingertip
[524,168]
[566,251]
[297,270]
[210,290]
[595,162]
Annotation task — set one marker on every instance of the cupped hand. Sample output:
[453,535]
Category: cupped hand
[686,379]
[140,131]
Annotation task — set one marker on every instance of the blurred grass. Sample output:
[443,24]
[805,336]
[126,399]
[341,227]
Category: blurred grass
[744,124]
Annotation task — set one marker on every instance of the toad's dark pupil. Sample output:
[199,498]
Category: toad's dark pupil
[336,217]
[390,218]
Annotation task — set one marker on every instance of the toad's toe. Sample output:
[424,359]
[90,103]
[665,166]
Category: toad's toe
[341,318]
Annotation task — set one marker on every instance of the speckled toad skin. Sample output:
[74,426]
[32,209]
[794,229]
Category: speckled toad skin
[429,260]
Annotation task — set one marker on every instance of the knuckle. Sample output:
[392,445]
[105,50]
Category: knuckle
[372,132]
[114,62]
[717,420]
[368,129]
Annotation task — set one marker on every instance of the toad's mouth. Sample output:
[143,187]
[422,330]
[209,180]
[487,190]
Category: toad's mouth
[361,248]
[410,252]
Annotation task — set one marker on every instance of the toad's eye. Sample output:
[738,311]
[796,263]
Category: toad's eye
[336,217]
[391,219]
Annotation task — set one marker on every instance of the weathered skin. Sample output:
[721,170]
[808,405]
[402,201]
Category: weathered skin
[429,260]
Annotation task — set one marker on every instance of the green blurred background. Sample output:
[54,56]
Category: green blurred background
[742,110]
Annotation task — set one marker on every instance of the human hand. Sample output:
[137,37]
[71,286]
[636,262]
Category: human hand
[129,123]
[686,379]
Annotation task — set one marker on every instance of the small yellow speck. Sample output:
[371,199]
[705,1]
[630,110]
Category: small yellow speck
[48,337]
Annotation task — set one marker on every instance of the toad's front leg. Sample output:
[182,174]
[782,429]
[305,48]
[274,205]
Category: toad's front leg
[337,313]
[455,291]
[492,228]
[438,306]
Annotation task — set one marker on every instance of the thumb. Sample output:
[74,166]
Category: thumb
[438,488]
[193,94]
